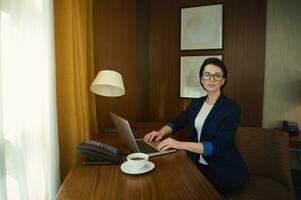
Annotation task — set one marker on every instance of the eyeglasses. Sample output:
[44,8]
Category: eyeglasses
[216,76]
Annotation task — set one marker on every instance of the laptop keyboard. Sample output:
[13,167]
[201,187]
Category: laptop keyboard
[145,148]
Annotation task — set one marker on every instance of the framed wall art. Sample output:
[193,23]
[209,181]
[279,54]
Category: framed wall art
[190,86]
[202,27]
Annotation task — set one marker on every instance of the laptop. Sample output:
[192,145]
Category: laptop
[136,145]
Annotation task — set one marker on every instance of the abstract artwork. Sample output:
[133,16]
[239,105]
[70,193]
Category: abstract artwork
[202,27]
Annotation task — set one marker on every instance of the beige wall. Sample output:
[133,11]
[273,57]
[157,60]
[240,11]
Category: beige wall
[282,87]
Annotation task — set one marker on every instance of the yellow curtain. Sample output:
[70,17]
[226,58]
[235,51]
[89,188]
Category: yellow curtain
[74,74]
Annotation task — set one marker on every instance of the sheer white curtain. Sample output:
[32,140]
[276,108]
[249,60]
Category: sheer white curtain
[29,166]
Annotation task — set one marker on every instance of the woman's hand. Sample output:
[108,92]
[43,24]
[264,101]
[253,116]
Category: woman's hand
[154,135]
[158,135]
[170,143]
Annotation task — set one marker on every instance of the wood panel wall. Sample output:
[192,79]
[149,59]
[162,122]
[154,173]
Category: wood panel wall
[141,39]
[114,24]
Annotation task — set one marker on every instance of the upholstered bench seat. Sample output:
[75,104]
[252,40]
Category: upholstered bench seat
[260,187]
[266,154]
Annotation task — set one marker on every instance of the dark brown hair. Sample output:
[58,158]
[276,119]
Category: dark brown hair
[217,62]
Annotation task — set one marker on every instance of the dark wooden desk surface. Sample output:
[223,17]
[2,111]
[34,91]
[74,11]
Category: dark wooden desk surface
[174,177]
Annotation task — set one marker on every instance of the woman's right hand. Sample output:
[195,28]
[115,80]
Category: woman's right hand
[154,135]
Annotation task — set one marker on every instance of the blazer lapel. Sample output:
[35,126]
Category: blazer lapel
[216,106]
[195,111]
[198,107]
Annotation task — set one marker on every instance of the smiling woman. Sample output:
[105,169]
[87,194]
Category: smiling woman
[28,135]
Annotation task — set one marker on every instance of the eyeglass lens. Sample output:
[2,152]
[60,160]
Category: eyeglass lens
[216,76]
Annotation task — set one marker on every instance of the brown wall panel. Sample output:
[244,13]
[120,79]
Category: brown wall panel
[244,54]
[142,34]
[114,23]
[141,40]
[164,60]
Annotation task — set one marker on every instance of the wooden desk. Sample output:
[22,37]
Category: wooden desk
[174,177]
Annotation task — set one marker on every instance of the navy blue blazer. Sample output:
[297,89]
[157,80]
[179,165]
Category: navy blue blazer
[217,133]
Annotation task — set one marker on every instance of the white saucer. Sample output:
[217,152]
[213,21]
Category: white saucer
[128,170]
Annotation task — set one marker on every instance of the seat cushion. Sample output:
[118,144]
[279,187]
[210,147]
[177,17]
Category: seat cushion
[260,187]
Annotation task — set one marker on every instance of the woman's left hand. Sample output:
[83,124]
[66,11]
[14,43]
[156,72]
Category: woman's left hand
[169,143]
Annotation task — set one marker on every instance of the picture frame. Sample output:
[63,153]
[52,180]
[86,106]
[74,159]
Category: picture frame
[190,86]
[202,27]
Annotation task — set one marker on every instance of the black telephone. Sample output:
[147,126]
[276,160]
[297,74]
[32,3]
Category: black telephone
[290,127]
[99,153]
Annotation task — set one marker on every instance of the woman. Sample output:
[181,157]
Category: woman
[212,122]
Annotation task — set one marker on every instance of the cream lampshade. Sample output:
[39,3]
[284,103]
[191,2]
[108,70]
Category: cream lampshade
[108,83]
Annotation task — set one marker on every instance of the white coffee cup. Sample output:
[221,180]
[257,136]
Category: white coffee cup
[137,160]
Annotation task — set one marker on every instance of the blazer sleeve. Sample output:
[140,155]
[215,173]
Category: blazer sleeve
[226,132]
[180,121]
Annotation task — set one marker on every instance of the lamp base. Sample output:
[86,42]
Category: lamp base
[109,130]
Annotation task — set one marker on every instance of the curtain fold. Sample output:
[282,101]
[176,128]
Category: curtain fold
[75,73]
[29,164]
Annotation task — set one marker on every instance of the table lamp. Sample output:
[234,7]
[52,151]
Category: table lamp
[108,83]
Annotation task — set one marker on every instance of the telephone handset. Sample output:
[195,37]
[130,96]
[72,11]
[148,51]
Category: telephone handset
[99,153]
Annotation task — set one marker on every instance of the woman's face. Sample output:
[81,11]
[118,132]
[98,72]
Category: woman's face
[212,78]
